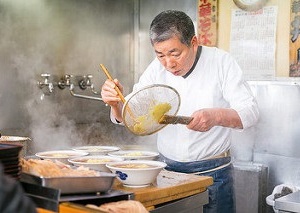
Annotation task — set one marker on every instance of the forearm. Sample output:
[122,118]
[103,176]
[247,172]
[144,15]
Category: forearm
[227,118]
[116,112]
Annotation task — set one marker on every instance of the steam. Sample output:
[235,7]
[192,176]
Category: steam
[50,128]
[35,39]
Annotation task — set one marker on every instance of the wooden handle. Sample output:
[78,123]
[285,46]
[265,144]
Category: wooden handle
[110,78]
[171,119]
[183,120]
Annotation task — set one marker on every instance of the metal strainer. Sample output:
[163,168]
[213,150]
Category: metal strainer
[151,108]
[139,114]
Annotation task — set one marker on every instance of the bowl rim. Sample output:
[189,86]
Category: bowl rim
[9,138]
[106,148]
[150,154]
[71,160]
[40,154]
[157,164]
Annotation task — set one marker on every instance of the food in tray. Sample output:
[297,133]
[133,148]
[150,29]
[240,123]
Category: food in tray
[49,168]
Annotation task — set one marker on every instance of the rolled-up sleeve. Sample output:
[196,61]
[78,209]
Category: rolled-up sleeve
[239,95]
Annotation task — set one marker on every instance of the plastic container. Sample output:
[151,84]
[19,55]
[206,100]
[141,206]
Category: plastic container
[278,189]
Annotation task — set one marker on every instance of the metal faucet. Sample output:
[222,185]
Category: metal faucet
[46,85]
[70,81]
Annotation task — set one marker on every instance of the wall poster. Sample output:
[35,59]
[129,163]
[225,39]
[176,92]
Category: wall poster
[253,41]
[207,22]
[295,40]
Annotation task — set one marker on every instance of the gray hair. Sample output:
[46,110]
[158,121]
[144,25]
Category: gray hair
[172,23]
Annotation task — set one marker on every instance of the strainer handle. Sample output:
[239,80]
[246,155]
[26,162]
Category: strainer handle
[170,119]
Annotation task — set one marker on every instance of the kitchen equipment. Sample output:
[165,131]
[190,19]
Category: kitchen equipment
[52,199]
[148,105]
[23,141]
[9,157]
[169,188]
[73,185]
[69,200]
[136,173]
[171,192]
[43,197]
[150,109]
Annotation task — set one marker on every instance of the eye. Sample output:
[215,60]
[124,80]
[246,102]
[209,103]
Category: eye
[176,55]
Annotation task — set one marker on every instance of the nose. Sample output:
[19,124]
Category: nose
[170,63]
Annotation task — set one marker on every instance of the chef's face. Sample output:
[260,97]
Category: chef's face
[175,56]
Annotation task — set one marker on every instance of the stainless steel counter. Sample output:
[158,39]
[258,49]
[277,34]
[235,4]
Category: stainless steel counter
[288,203]
[189,204]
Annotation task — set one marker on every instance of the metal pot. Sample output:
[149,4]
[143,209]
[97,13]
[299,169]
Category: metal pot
[17,140]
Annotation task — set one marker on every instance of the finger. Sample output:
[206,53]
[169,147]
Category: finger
[109,87]
[118,84]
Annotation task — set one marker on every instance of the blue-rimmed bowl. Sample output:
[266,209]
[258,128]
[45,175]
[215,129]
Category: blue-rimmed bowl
[136,173]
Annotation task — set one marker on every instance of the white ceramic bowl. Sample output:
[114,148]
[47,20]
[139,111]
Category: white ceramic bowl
[97,150]
[135,155]
[132,176]
[60,155]
[95,162]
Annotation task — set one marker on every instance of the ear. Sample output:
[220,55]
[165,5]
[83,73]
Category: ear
[194,41]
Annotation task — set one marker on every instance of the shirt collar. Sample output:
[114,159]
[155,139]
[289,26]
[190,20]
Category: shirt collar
[199,50]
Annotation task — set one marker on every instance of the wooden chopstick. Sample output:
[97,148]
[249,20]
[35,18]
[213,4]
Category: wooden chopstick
[110,78]
[118,91]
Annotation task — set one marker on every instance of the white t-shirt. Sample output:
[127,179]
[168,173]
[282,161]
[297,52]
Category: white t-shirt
[216,81]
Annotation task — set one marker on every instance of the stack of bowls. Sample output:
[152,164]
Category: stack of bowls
[9,157]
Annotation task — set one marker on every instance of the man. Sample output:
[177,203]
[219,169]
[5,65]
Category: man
[212,91]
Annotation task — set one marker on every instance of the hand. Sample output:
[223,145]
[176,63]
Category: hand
[203,120]
[109,94]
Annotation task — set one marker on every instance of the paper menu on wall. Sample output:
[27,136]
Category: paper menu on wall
[253,41]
